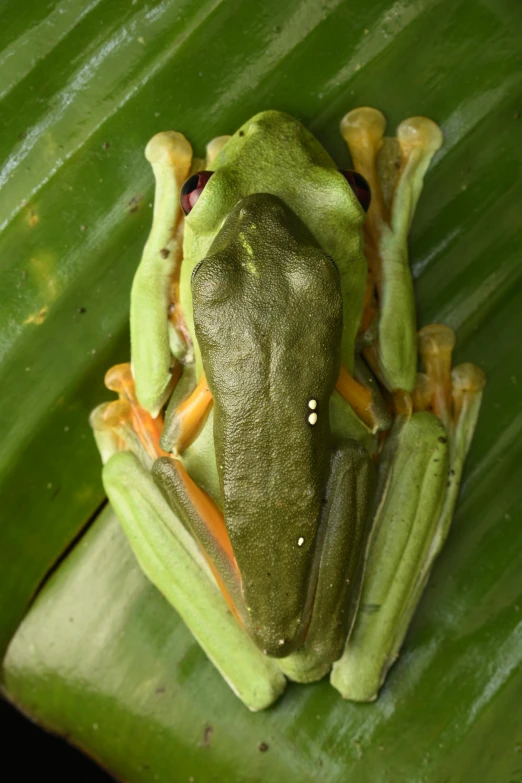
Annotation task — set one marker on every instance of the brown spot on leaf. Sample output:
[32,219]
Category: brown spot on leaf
[207,736]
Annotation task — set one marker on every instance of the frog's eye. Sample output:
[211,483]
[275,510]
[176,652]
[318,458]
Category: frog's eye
[359,186]
[192,189]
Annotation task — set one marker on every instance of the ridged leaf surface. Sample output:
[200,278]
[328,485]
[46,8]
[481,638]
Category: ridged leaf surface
[100,656]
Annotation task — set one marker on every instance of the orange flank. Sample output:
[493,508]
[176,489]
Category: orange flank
[214,521]
[359,396]
[119,379]
[209,512]
[191,413]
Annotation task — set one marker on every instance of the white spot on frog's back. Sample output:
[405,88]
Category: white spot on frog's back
[300,541]
[312,419]
[312,404]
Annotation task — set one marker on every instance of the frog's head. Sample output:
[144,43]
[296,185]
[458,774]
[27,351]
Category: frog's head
[274,153]
[268,319]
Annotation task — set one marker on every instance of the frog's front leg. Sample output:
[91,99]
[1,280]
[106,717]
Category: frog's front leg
[341,544]
[170,155]
[394,168]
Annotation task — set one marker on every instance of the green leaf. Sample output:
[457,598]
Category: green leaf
[100,656]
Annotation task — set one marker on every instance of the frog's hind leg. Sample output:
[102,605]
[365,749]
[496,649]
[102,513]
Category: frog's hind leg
[123,425]
[172,560]
[419,477]
[341,553]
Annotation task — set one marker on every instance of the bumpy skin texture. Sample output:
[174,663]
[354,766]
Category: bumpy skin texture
[263,370]
[274,153]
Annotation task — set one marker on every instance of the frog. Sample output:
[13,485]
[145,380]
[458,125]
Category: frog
[285,475]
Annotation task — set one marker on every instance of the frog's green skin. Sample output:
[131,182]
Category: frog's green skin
[271,289]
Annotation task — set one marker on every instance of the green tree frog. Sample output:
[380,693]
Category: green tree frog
[283,472]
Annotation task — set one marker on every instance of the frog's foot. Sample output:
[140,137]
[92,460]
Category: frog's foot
[410,491]
[455,396]
[394,169]
[170,155]
[123,425]
[185,422]
[436,343]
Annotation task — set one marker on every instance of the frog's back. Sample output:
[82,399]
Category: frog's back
[271,379]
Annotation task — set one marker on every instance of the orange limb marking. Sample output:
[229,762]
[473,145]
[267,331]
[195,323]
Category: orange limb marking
[191,413]
[119,379]
[214,521]
[359,397]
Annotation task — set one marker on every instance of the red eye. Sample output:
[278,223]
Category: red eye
[192,189]
[359,186]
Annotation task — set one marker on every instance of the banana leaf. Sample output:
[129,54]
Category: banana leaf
[95,653]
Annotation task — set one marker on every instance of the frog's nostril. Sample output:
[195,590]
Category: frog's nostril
[359,186]
[192,189]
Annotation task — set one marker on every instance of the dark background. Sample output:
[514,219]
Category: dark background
[54,758]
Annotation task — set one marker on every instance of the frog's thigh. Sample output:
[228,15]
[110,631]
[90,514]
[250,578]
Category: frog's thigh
[344,529]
